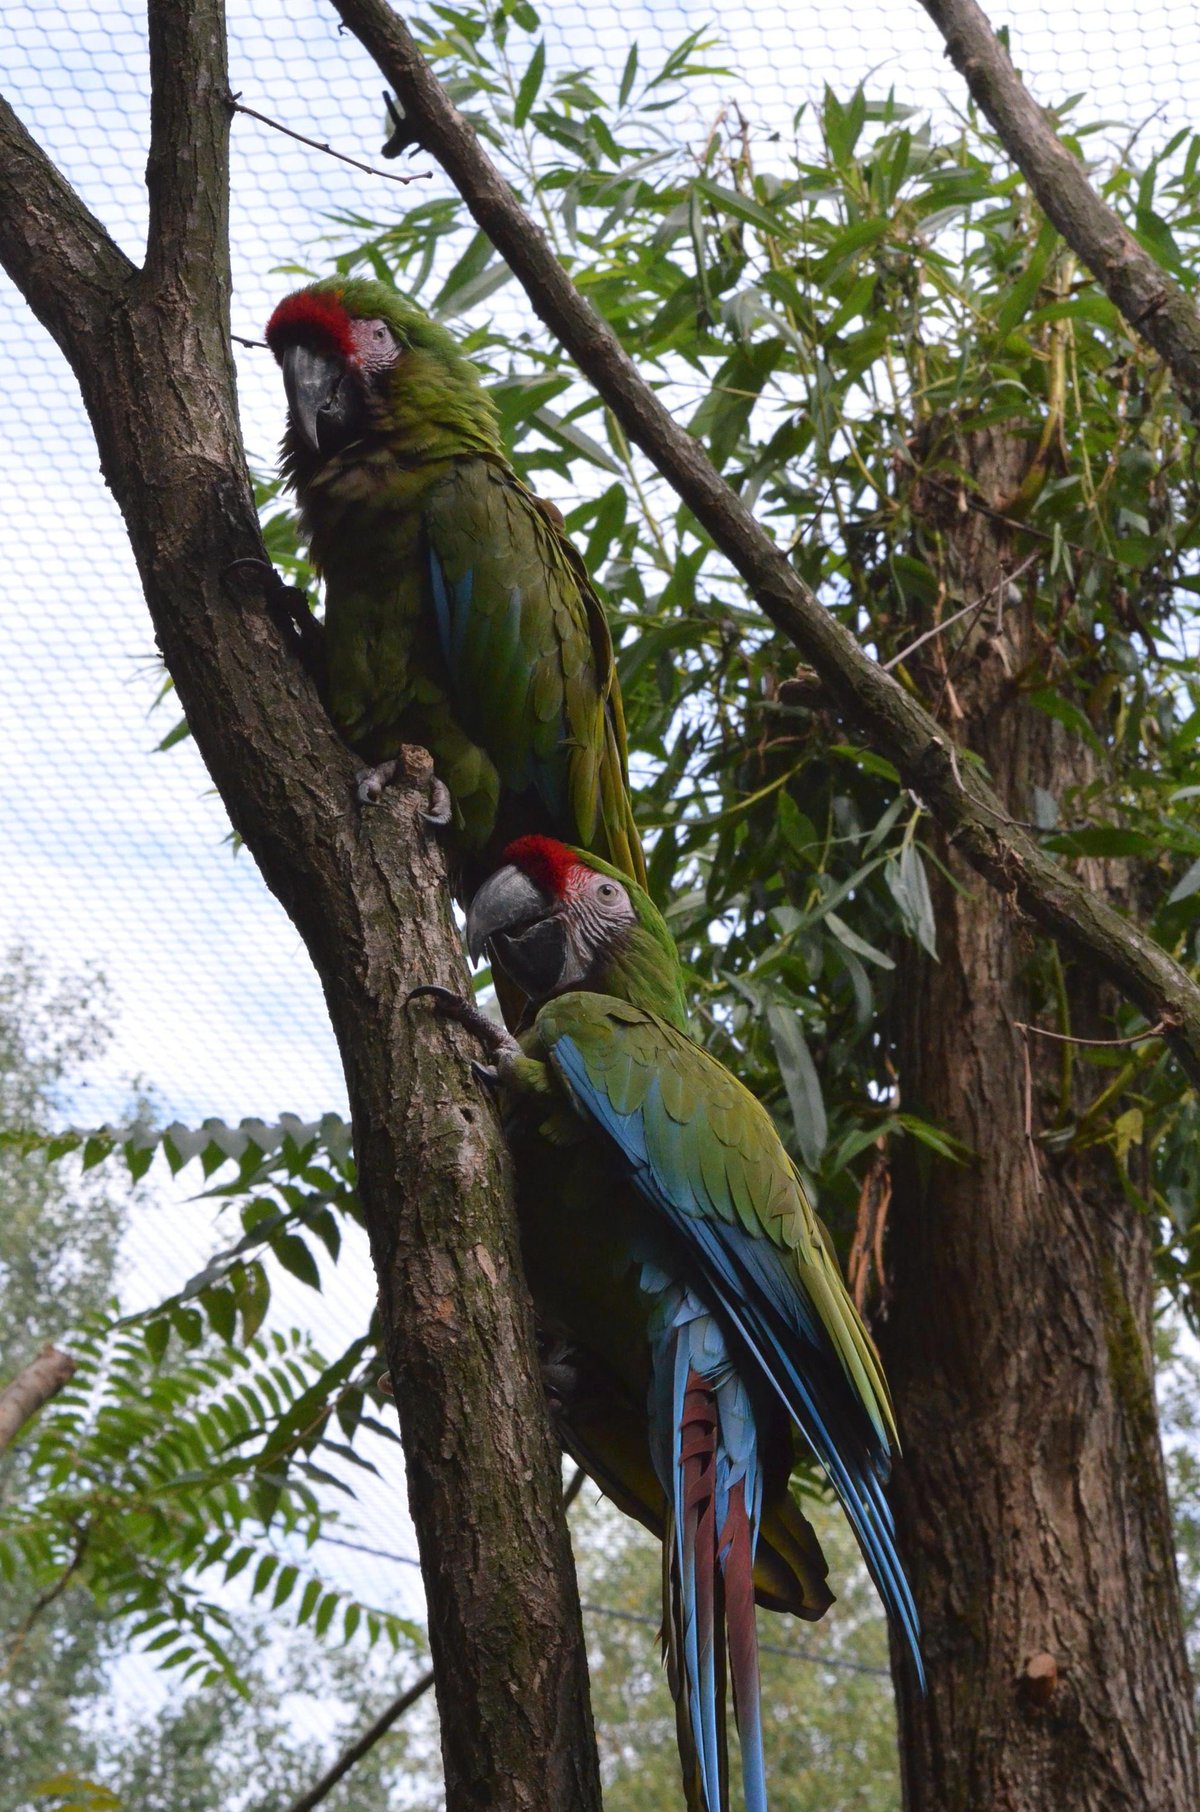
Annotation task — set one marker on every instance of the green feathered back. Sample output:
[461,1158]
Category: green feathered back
[458,614]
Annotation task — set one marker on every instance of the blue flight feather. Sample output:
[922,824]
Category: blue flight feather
[451,611]
[770,1315]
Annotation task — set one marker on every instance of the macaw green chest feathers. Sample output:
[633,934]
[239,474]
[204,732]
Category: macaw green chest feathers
[594,1259]
[458,615]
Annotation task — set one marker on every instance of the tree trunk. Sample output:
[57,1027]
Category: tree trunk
[1031,1498]
[367,891]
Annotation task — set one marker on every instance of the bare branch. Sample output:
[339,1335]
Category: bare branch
[189,146]
[354,1752]
[1109,1044]
[55,249]
[20,1636]
[315,144]
[1150,300]
[31,1390]
[896,725]
[976,605]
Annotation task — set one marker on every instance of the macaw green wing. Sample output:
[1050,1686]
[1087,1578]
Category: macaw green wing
[705,1155]
[529,655]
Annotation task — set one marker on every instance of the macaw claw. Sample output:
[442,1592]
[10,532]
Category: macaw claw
[560,1375]
[441,806]
[448,1005]
[371,781]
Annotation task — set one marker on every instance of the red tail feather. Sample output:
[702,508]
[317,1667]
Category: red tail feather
[698,1429]
[738,1567]
[698,1458]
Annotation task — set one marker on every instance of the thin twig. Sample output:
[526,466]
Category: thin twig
[1109,1044]
[928,634]
[315,144]
[241,340]
[1031,1145]
[358,1748]
[975,604]
[44,1600]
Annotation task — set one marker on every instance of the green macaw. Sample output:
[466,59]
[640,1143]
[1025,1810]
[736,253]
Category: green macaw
[671,1249]
[458,615]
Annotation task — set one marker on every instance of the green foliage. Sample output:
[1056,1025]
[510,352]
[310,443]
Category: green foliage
[147,1485]
[830,314]
[58,1229]
[215,1747]
[175,1483]
[292,1183]
[58,1233]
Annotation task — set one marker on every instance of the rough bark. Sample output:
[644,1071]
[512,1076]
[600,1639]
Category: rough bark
[892,721]
[151,351]
[1031,1500]
[31,1390]
[1150,300]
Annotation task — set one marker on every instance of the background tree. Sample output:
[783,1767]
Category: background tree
[232,1742]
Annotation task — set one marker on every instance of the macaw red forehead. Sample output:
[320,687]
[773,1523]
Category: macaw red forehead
[314,317]
[554,867]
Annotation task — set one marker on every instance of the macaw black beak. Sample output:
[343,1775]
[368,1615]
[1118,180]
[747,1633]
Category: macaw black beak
[523,933]
[507,901]
[320,394]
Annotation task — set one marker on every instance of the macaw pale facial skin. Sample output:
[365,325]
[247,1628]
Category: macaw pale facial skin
[669,1243]
[458,615]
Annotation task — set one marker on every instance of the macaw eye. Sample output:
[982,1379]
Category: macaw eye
[607,891]
[375,345]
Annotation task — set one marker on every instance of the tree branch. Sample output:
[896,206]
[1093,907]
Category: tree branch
[1150,300]
[354,1752]
[893,722]
[187,169]
[316,144]
[367,891]
[31,1390]
[56,251]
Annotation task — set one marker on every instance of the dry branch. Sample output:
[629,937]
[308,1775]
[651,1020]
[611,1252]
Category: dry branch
[354,1752]
[888,717]
[31,1390]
